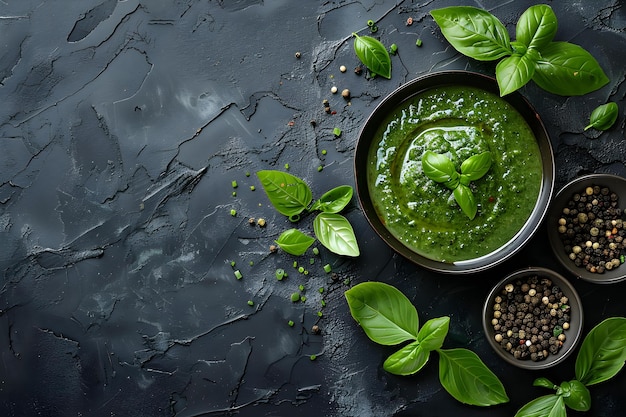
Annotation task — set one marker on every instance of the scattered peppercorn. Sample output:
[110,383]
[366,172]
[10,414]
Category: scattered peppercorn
[409,21]
[531,327]
[342,68]
[345,93]
[298,55]
[315,329]
[358,70]
[333,89]
[261,222]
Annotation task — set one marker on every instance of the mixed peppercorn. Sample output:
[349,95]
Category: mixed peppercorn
[592,230]
[530,318]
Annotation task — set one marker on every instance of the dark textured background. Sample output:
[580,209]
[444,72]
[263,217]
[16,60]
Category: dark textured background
[122,126]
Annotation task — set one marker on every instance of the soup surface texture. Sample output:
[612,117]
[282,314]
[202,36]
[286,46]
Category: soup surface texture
[458,121]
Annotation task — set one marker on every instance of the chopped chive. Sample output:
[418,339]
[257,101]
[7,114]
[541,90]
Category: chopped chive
[370,23]
[295,297]
[306,272]
[418,42]
[374,29]
[393,48]
[238,274]
[321,290]
[234,184]
[337,132]
[312,261]
[280,274]
[301,287]
[290,323]
[302,298]
[295,264]
[320,168]
[250,303]
[316,251]
[233,212]
[313,357]
[327,268]
[232,263]
[301,269]
[286,166]
[323,303]
[320,314]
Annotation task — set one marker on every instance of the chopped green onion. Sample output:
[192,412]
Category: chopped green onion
[320,314]
[295,264]
[418,42]
[234,193]
[337,132]
[327,268]
[250,302]
[313,357]
[301,269]
[316,251]
[302,298]
[324,152]
[295,297]
[321,290]
[370,23]
[234,184]
[290,323]
[286,166]
[233,212]
[301,287]
[238,274]
[252,188]
[323,303]
[393,48]
[312,261]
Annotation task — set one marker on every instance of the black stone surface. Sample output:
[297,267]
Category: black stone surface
[123,124]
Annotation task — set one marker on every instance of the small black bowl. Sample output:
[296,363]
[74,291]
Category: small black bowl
[368,138]
[617,185]
[573,334]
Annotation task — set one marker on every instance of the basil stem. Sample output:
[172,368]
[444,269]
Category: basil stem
[603,117]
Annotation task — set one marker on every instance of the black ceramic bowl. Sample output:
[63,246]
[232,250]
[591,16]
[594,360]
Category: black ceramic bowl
[369,138]
[615,184]
[572,334]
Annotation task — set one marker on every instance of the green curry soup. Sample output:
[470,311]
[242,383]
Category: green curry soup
[458,121]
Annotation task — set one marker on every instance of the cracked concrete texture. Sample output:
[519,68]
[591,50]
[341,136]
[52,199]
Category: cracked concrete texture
[122,127]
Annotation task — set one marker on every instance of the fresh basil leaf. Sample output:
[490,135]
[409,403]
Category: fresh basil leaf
[467,378]
[373,55]
[294,242]
[476,166]
[473,32]
[335,200]
[603,117]
[335,232]
[603,352]
[439,168]
[514,72]
[536,27]
[408,360]
[288,194]
[568,70]
[547,406]
[433,333]
[575,395]
[384,313]
[544,382]
[465,199]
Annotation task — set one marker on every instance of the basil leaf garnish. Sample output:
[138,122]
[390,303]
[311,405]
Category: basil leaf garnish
[335,200]
[408,360]
[549,405]
[335,233]
[536,27]
[373,55]
[467,378]
[438,167]
[473,32]
[568,70]
[603,352]
[476,166]
[465,199]
[294,242]
[287,193]
[603,117]
[384,313]
[544,382]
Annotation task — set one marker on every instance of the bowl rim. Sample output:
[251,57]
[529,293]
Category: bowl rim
[437,79]
[571,342]
[560,198]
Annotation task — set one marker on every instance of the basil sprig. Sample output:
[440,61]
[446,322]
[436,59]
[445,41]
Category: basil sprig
[603,117]
[441,169]
[373,55]
[388,318]
[558,67]
[291,197]
[601,357]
